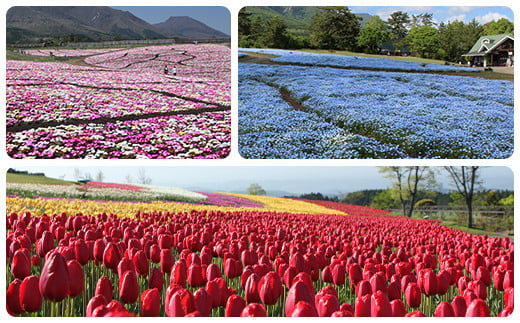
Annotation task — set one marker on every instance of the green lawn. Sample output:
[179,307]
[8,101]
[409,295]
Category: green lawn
[35,179]
[464,228]
[398,58]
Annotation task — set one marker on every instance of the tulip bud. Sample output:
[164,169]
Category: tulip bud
[76,281]
[128,288]
[363,306]
[270,288]
[444,309]
[254,310]
[20,266]
[54,278]
[203,302]
[398,308]
[235,305]
[298,292]
[327,304]
[478,308]
[12,298]
[104,287]
[150,303]
[96,301]
[302,309]
[459,306]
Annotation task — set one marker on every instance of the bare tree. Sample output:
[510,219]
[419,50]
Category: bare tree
[128,178]
[407,183]
[77,174]
[142,178]
[100,177]
[465,179]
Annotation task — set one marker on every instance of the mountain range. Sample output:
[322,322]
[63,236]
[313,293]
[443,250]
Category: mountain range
[33,24]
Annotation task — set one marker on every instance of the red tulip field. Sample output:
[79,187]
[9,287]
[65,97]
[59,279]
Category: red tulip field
[181,259]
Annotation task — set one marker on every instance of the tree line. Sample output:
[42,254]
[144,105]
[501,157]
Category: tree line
[337,28]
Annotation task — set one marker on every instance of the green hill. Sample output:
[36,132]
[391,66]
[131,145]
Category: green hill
[35,179]
[298,19]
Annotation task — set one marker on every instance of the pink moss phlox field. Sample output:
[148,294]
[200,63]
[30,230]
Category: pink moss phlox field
[130,107]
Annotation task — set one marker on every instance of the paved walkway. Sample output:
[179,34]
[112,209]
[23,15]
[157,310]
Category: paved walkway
[503,69]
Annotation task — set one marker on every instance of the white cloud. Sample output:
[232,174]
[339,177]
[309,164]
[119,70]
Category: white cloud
[461,17]
[460,10]
[490,17]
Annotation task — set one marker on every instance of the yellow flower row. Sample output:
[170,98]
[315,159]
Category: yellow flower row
[39,206]
[281,204]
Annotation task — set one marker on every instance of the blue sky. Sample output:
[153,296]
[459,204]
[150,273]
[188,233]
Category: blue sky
[444,14]
[294,179]
[215,17]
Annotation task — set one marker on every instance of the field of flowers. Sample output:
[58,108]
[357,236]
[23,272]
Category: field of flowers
[86,258]
[122,105]
[321,112]
[68,52]
[104,191]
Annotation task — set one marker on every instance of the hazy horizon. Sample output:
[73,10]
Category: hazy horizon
[329,180]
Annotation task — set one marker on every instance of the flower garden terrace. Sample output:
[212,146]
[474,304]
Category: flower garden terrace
[250,262]
[60,110]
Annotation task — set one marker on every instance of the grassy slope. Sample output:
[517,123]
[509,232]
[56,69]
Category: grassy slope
[472,230]
[34,179]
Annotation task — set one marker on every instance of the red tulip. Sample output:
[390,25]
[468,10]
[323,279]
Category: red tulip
[302,309]
[155,254]
[415,314]
[111,256]
[459,306]
[327,304]
[96,301]
[380,305]
[141,263]
[342,314]
[363,306]
[179,273]
[150,303]
[298,292]
[104,287]
[44,244]
[195,278]
[378,282]
[232,268]
[443,282]
[498,278]
[20,265]
[182,302]
[12,298]
[76,281]
[54,278]
[254,310]
[355,274]
[156,279]
[394,291]
[213,272]
[270,288]
[166,261]
[363,288]
[398,308]
[326,275]
[234,306]
[203,302]
[478,308]
[509,295]
[35,260]
[483,275]
[128,287]
[338,275]
[509,279]
[430,283]
[251,291]
[81,251]
[444,309]
[413,295]
[170,291]
[99,249]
